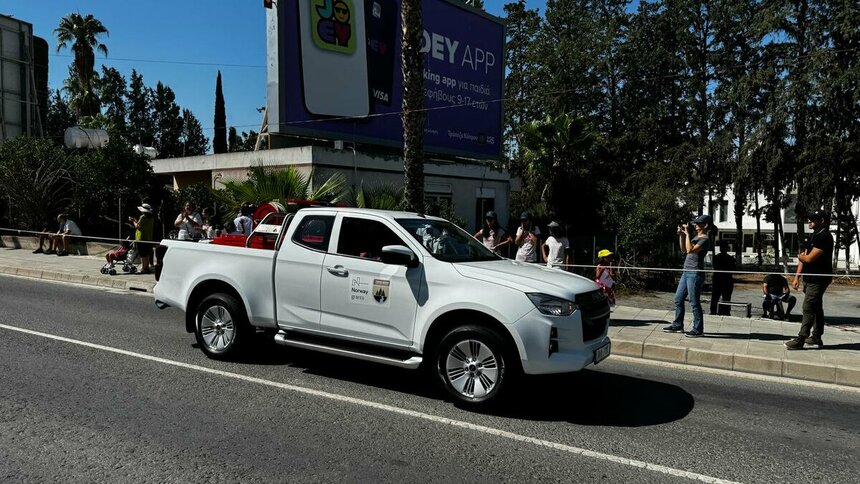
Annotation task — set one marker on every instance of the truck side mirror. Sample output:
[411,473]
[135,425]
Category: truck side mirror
[399,255]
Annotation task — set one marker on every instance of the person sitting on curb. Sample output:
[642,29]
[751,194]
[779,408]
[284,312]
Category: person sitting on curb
[48,237]
[68,229]
[775,289]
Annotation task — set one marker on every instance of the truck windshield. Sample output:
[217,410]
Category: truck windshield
[447,242]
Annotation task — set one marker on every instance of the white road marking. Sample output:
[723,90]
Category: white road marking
[390,408]
[736,374]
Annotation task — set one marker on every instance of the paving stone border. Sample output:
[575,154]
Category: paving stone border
[825,373]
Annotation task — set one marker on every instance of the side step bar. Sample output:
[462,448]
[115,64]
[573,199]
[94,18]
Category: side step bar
[411,363]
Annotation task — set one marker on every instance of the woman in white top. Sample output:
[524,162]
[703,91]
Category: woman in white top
[555,249]
[189,223]
[493,235]
[603,274]
[528,239]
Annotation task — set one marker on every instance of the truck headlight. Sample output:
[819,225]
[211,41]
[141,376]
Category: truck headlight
[552,306]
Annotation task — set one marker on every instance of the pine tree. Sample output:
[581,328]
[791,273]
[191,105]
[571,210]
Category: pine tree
[168,122]
[141,122]
[111,88]
[233,140]
[219,140]
[521,83]
[59,117]
[194,142]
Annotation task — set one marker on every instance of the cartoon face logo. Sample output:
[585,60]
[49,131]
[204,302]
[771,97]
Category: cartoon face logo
[341,12]
[332,25]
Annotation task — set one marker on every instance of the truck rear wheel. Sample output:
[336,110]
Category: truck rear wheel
[222,326]
[471,365]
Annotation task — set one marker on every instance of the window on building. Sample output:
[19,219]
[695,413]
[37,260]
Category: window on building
[719,210]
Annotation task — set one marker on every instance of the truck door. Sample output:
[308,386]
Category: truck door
[298,269]
[362,297]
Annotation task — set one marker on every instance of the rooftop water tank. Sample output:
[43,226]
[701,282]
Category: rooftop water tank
[77,137]
[145,150]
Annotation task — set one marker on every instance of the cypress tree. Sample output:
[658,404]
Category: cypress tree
[219,140]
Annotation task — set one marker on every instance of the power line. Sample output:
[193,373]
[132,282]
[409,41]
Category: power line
[174,62]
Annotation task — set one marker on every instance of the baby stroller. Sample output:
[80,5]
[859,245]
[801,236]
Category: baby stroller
[127,254]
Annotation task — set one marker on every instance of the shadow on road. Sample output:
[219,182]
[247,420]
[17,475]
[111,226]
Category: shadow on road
[629,322]
[598,398]
[750,336]
[584,398]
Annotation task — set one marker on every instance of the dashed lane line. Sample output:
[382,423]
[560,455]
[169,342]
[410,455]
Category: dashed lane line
[390,408]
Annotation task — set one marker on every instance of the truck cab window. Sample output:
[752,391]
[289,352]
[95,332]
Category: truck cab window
[314,232]
[365,238]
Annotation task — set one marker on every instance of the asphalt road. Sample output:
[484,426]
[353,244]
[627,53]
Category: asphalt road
[161,411]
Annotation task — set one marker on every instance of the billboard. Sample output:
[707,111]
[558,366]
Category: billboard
[335,73]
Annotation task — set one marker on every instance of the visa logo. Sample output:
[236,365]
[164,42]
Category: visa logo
[380,96]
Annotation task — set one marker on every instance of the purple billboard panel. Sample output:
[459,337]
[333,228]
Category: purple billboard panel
[338,74]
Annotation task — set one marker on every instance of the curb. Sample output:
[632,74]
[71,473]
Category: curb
[824,373]
[84,279]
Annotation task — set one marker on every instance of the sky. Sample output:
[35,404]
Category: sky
[182,43]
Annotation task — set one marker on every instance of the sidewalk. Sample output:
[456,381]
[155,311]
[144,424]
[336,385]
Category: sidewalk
[80,269]
[750,345]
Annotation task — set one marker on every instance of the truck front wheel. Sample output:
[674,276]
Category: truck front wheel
[222,326]
[471,365]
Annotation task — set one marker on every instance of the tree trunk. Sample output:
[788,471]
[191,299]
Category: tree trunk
[837,244]
[740,203]
[757,228]
[776,216]
[413,104]
[857,237]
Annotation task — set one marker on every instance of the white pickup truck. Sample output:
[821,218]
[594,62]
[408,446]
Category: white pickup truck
[395,288]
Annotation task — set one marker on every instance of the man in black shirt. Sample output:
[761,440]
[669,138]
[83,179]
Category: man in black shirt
[775,289]
[723,283]
[816,265]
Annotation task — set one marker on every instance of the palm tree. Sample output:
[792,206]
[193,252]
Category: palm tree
[383,196]
[82,33]
[266,184]
[556,149]
[413,104]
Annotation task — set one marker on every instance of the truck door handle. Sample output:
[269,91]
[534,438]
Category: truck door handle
[339,271]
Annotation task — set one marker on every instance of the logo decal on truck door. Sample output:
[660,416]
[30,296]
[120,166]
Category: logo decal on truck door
[358,290]
[380,290]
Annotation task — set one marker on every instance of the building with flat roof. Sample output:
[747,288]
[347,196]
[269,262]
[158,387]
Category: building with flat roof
[23,79]
[472,189]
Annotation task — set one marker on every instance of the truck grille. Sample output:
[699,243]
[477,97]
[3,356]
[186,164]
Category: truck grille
[594,308]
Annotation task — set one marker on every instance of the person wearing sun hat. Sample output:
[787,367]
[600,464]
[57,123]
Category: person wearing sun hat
[144,227]
[603,274]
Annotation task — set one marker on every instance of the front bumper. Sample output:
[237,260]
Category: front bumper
[553,344]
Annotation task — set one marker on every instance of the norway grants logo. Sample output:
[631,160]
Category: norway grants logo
[332,25]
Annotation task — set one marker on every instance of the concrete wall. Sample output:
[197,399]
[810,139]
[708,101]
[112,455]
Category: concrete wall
[462,183]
